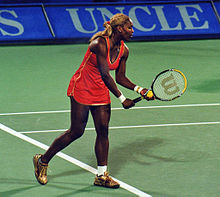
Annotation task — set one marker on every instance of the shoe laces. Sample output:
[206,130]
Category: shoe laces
[108,178]
[106,174]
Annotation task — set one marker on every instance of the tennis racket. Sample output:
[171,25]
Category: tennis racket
[167,85]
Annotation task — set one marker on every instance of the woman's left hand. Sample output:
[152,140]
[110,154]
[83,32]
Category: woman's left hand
[148,95]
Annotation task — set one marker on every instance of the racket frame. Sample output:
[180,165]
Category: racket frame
[152,89]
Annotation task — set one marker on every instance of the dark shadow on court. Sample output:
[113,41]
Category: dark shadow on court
[15,191]
[32,184]
[95,191]
[16,181]
[67,173]
[77,191]
[77,188]
[210,86]
[132,152]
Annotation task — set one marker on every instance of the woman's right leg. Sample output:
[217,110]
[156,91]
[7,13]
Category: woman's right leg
[79,118]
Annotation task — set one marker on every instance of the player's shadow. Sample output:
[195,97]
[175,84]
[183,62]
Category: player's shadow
[23,186]
[92,191]
[27,185]
[210,86]
[12,192]
[140,150]
[66,173]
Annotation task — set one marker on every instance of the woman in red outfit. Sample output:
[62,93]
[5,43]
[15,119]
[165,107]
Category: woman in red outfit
[89,91]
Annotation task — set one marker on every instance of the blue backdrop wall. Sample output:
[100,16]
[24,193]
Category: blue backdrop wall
[70,21]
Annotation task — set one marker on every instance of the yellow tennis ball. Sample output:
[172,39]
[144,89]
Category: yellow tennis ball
[150,94]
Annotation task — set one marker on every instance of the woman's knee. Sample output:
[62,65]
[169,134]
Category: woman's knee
[75,133]
[101,117]
[102,130]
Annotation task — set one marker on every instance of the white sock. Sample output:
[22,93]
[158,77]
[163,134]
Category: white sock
[101,170]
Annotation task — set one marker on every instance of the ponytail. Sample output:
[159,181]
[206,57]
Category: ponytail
[110,26]
[106,32]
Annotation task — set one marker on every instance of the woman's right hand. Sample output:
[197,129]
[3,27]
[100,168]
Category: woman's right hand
[128,103]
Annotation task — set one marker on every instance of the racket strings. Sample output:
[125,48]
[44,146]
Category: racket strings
[169,85]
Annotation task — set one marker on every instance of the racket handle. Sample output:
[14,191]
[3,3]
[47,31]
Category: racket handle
[137,99]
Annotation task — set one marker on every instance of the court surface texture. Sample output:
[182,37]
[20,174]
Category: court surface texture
[159,149]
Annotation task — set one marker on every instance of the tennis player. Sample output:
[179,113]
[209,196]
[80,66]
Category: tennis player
[89,91]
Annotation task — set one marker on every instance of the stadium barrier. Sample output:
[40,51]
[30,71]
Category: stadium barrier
[76,23]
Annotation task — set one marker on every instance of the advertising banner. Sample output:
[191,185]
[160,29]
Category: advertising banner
[163,20]
[217,6]
[23,23]
[79,23]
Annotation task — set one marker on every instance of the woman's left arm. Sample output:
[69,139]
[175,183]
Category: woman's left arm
[124,81]
[120,73]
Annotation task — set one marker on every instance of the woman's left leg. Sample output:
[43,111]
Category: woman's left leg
[101,116]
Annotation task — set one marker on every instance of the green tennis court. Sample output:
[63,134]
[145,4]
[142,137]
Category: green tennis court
[159,149]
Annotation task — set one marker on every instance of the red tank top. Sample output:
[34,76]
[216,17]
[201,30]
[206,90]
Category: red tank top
[86,85]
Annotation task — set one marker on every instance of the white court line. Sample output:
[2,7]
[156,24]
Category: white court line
[134,126]
[115,108]
[70,159]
